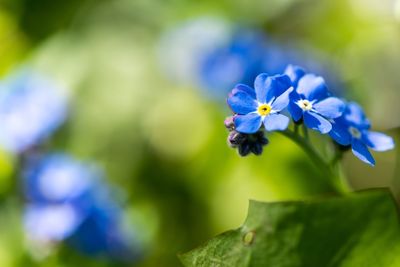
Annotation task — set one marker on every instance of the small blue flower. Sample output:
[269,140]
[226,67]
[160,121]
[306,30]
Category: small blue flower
[59,190]
[58,178]
[311,100]
[31,108]
[239,60]
[262,105]
[51,222]
[70,201]
[352,129]
[102,233]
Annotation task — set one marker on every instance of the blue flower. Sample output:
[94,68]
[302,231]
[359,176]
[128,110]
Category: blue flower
[102,233]
[352,129]
[239,60]
[31,108]
[262,105]
[311,100]
[58,178]
[49,223]
[70,201]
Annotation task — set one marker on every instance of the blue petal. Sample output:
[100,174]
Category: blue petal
[317,122]
[279,85]
[282,101]
[340,133]
[51,222]
[312,87]
[242,103]
[249,123]
[379,141]
[355,114]
[269,87]
[294,73]
[261,85]
[276,122]
[295,111]
[360,150]
[244,88]
[330,107]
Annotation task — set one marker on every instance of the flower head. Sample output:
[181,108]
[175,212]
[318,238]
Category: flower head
[352,129]
[311,100]
[69,201]
[261,106]
[239,60]
[31,108]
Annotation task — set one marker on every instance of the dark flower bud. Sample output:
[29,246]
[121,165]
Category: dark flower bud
[247,143]
[261,138]
[235,138]
[257,149]
[244,149]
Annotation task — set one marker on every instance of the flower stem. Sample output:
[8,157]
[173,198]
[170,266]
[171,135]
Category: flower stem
[333,177]
[338,156]
[305,132]
[304,144]
[296,128]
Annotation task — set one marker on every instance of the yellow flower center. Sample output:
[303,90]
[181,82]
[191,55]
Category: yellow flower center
[264,109]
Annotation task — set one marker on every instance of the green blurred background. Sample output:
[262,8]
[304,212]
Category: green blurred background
[164,142]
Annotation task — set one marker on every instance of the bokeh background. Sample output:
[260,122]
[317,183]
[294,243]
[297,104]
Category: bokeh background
[112,145]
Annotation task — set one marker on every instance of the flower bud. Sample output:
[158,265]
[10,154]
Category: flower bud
[247,143]
[235,138]
[229,124]
[244,149]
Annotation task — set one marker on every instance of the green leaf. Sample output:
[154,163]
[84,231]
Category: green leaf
[359,229]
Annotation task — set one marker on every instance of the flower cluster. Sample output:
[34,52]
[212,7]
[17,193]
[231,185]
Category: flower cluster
[69,201]
[214,55]
[306,98]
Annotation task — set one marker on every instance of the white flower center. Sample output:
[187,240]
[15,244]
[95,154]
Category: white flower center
[354,132]
[304,104]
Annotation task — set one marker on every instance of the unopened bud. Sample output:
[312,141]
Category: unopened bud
[235,138]
[244,149]
[229,124]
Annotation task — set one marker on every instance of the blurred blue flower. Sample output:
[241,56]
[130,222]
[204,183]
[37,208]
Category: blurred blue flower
[31,108]
[239,60]
[58,178]
[311,100]
[352,129]
[70,201]
[51,223]
[103,233]
[187,44]
[215,55]
[262,105]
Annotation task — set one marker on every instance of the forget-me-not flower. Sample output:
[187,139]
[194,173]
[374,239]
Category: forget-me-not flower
[31,108]
[239,60]
[352,129]
[69,201]
[311,100]
[261,106]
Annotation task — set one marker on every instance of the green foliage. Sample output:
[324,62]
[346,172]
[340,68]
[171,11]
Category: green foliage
[360,229]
